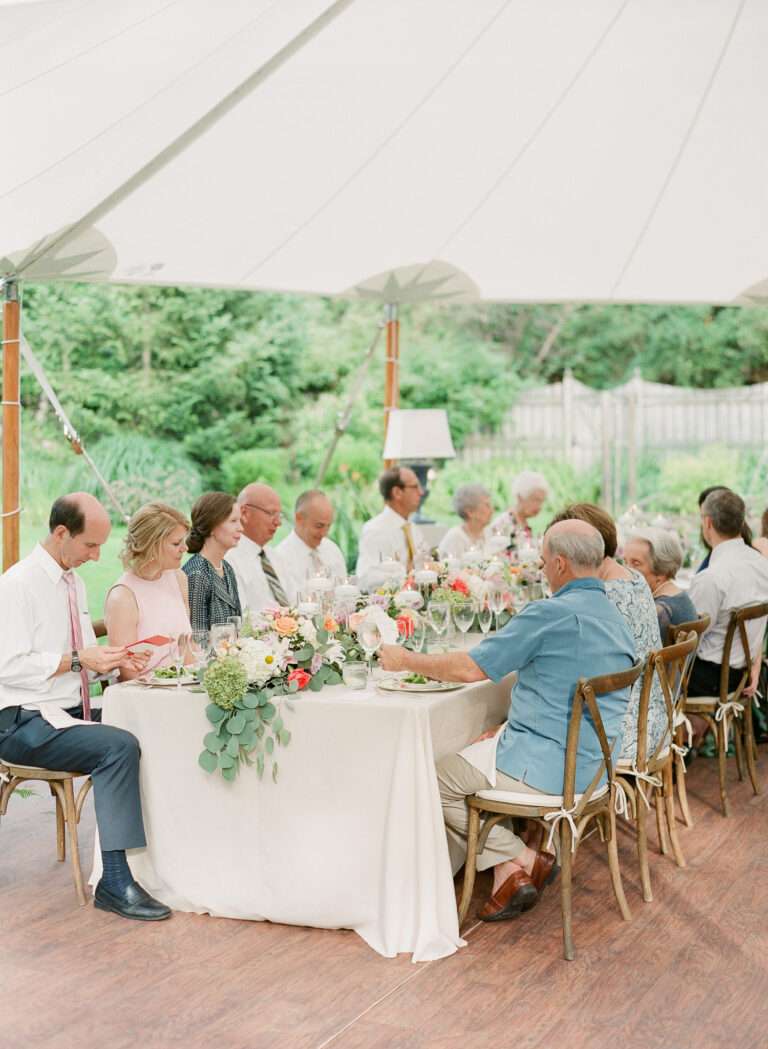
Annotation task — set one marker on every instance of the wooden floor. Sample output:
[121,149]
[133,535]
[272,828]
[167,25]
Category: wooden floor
[691,969]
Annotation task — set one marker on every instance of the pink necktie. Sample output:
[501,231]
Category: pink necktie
[77,641]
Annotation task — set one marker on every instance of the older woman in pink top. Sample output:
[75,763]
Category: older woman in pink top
[151,597]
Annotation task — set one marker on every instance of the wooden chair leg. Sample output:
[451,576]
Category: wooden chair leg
[722,751]
[661,823]
[642,848]
[737,744]
[61,840]
[469,864]
[566,878]
[750,747]
[668,790]
[682,793]
[66,796]
[613,867]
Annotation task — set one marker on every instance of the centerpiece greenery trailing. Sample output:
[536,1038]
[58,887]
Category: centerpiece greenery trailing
[279,653]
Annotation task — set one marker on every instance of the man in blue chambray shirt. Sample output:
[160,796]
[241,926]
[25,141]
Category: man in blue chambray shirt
[551,644]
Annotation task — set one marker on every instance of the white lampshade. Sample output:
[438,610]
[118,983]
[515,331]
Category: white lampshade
[418,433]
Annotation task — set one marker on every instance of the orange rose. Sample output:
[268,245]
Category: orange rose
[286,626]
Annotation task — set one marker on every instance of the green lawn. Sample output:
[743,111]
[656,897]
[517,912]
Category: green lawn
[97,575]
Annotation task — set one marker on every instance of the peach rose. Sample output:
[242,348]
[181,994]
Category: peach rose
[330,624]
[286,626]
[356,619]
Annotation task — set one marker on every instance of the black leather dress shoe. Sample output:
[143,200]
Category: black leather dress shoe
[134,902]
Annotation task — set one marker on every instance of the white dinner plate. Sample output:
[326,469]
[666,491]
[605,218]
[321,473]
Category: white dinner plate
[168,682]
[394,684]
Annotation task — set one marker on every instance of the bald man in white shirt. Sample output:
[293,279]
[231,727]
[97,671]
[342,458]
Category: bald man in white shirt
[261,580]
[307,550]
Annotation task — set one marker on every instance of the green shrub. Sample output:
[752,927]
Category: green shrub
[139,469]
[267,465]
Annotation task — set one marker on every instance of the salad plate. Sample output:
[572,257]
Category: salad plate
[417,683]
[167,677]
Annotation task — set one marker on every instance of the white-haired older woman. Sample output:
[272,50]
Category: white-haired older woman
[530,491]
[657,555]
[472,503]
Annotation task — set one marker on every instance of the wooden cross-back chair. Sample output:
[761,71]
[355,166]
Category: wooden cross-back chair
[648,778]
[68,807]
[682,724]
[730,707]
[563,816]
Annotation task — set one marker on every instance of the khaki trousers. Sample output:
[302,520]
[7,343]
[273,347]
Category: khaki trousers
[457,779]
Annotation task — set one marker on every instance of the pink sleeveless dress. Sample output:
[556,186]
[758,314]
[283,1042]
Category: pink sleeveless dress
[161,611]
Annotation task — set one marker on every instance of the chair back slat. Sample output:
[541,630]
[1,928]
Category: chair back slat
[677,633]
[736,625]
[587,691]
[677,656]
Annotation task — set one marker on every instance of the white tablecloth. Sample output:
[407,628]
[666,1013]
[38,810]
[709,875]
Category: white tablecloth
[351,836]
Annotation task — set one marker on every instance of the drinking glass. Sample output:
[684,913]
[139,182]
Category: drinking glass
[419,639]
[369,636]
[464,616]
[201,648]
[222,636]
[484,616]
[497,601]
[355,674]
[180,654]
[439,613]
[237,623]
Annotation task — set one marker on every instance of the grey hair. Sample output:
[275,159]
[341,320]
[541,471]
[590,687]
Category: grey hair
[582,550]
[665,550]
[528,482]
[467,497]
[727,511]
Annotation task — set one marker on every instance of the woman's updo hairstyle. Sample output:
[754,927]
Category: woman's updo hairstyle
[148,529]
[208,513]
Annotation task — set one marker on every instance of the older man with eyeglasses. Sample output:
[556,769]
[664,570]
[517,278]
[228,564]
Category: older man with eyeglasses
[261,580]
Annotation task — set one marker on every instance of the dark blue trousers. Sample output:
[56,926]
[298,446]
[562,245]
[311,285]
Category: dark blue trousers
[109,755]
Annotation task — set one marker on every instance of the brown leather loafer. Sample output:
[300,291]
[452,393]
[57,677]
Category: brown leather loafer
[515,895]
[545,870]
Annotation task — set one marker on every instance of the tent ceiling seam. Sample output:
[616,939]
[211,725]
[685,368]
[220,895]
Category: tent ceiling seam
[193,132]
[142,105]
[89,50]
[379,149]
[676,160]
[532,138]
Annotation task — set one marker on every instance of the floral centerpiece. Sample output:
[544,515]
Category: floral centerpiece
[279,654]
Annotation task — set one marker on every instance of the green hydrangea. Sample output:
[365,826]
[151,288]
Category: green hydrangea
[226,681]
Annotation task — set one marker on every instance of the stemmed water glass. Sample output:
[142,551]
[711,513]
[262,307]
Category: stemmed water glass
[484,615]
[369,636]
[496,599]
[180,652]
[439,613]
[464,616]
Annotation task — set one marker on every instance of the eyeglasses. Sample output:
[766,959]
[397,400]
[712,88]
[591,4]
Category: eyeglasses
[417,485]
[276,515]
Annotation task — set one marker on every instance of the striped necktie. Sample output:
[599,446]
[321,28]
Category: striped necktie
[274,583]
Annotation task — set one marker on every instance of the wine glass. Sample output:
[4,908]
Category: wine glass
[439,613]
[484,616]
[497,601]
[369,636]
[237,623]
[464,616]
[200,648]
[180,654]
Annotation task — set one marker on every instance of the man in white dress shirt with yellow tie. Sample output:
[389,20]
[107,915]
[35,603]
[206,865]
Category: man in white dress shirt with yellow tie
[261,581]
[308,551]
[390,536]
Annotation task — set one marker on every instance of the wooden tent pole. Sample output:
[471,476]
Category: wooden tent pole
[391,374]
[11,423]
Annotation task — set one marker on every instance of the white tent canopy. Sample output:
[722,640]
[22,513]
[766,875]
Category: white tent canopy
[605,150]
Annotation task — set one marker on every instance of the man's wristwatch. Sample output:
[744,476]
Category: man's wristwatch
[76,666]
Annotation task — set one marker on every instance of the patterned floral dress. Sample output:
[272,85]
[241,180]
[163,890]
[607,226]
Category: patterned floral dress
[633,599]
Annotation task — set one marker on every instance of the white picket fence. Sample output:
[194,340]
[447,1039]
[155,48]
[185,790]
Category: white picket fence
[584,426]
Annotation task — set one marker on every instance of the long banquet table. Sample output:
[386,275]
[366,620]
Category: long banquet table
[350,836]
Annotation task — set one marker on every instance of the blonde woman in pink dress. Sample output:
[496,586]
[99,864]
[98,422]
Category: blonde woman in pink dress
[151,597]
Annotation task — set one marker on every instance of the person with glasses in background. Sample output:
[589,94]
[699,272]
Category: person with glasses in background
[390,536]
[261,578]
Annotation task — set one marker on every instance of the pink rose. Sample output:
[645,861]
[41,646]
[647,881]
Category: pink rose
[301,677]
